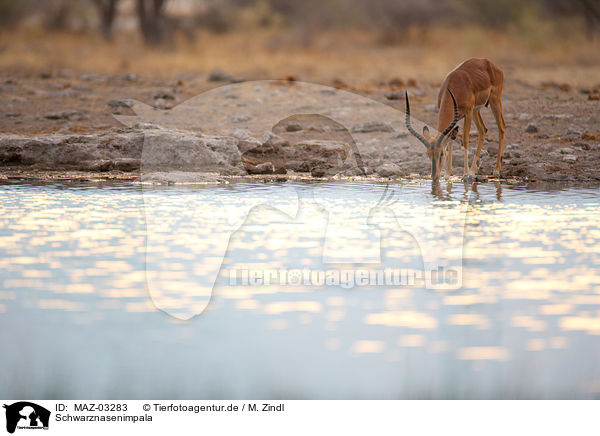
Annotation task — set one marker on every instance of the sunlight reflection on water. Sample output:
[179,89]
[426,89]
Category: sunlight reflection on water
[74,301]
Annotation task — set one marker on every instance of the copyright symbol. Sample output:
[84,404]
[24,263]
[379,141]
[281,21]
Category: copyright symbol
[147,407]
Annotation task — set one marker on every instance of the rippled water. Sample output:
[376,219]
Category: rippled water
[100,285]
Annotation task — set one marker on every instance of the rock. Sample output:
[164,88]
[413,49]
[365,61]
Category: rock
[293,127]
[69,92]
[100,165]
[525,117]
[130,77]
[95,77]
[582,145]
[119,106]
[262,168]
[70,115]
[245,145]
[572,134]
[372,126]
[394,95]
[165,95]
[318,172]
[127,164]
[570,158]
[531,128]
[555,117]
[389,170]
[243,134]
[566,150]
[219,76]
[327,150]
[161,103]
[240,119]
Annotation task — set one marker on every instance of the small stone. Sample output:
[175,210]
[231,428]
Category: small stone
[582,145]
[555,117]
[262,168]
[161,103]
[318,172]
[165,95]
[70,115]
[531,128]
[219,76]
[240,119]
[388,170]
[566,150]
[293,127]
[570,158]
[118,105]
[394,95]
[100,165]
[130,77]
[525,117]
[572,134]
[127,164]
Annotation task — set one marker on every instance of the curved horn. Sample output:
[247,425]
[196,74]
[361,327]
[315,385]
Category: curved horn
[452,124]
[409,127]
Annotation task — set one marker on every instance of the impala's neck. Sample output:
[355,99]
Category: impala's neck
[446,113]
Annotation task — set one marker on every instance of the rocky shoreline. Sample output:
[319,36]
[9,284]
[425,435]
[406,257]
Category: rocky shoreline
[177,156]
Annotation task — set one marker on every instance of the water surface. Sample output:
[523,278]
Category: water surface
[77,319]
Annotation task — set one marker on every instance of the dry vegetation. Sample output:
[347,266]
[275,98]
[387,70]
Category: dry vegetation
[352,56]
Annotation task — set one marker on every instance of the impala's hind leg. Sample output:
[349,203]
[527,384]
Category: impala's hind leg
[466,131]
[496,106]
[481,130]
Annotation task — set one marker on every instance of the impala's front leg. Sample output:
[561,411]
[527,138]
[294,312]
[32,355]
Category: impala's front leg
[467,129]
[449,170]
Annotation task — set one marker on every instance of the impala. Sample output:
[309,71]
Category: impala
[472,85]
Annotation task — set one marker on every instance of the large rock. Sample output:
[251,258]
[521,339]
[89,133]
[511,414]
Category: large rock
[167,149]
[154,149]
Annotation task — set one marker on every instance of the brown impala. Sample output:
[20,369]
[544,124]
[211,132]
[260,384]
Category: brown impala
[470,86]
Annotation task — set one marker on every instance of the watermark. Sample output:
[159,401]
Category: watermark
[197,230]
[345,278]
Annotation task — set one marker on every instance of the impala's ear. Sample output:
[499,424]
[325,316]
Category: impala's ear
[426,134]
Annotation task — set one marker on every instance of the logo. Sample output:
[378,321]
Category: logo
[26,415]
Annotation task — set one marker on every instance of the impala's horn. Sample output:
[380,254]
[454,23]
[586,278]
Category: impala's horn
[452,124]
[409,127]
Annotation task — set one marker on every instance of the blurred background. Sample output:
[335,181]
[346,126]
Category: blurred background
[318,40]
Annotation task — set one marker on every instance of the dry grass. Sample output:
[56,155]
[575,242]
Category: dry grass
[536,55]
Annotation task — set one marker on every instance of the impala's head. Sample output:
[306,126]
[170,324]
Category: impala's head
[435,146]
